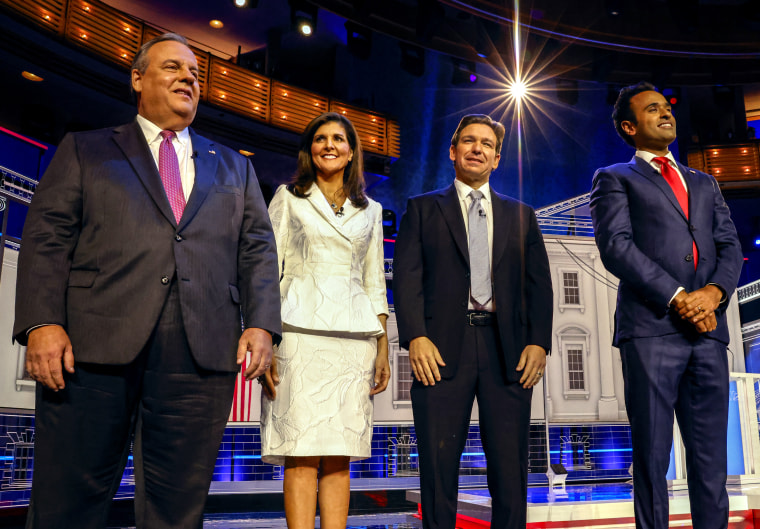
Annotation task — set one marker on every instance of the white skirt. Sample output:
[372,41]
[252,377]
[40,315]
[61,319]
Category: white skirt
[322,407]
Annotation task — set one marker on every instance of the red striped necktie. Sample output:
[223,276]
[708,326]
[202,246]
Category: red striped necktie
[674,180]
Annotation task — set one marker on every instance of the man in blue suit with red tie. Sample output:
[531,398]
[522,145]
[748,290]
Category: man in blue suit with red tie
[665,231]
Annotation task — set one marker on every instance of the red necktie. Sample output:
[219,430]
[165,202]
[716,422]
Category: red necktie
[672,178]
[168,168]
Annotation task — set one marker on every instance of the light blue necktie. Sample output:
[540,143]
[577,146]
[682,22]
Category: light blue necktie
[480,264]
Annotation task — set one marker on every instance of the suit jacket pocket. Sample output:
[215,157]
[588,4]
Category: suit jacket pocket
[235,294]
[228,189]
[82,278]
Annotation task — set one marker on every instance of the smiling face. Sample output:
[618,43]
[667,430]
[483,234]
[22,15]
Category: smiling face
[167,91]
[655,126]
[475,155]
[330,150]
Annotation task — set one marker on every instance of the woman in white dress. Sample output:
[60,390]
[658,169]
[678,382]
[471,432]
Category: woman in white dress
[316,412]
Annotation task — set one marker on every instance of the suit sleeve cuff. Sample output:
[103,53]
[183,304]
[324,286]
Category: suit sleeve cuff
[678,291]
[724,297]
[30,329]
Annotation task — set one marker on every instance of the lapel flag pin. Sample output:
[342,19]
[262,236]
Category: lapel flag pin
[212,152]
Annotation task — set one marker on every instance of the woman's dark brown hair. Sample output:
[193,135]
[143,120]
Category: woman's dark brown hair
[353,174]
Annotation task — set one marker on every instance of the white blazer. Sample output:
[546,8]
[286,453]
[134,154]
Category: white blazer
[331,270]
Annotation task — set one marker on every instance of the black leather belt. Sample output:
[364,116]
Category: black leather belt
[480,318]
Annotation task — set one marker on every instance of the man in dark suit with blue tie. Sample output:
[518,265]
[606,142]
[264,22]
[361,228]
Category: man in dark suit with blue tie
[145,248]
[665,231]
[473,298]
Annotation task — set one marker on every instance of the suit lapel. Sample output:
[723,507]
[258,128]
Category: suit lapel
[319,203]
[690,177]
[448,201]
[651,174]
[131,141]
[500,220]
[206,162]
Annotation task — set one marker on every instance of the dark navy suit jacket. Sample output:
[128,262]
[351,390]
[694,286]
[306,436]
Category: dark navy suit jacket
[431,277]
[645,239]
[100,247]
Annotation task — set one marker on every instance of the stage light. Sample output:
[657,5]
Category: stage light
[757,242]
[518,90]
[358,40]
[463,72]
[246,3]
[483,42]
[430,17]
[303,16]
[31,76]
[305,27]
[412,59]
[673,95]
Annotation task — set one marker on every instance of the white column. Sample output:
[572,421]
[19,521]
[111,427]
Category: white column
[608,403]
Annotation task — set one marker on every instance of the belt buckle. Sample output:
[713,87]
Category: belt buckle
[473,316]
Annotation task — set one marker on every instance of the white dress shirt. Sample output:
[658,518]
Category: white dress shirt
[649,157]
[182,145]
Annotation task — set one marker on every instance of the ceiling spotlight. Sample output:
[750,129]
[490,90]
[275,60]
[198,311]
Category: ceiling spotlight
[246,3]
[464,72]
[303,16]
[430,17]
[412,59]
[358,40]
[614,7]
[483,41]
[304,26]
[216,24]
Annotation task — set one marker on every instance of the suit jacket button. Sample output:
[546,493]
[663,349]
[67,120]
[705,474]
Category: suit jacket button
[692,227]
[688,257]
[178,237]
[467,274]
[164,280]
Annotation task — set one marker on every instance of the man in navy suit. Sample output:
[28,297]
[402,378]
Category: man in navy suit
[473,298]
[145,247]
[665,231]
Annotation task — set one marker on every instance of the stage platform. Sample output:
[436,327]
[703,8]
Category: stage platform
[597,506]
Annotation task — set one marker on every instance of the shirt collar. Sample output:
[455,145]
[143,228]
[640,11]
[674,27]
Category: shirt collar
[649,156]
[463,190]
[152,132]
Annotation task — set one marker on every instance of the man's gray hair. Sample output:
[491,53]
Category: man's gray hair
[140,62]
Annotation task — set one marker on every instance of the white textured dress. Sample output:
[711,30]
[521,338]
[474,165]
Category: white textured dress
[332,288]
